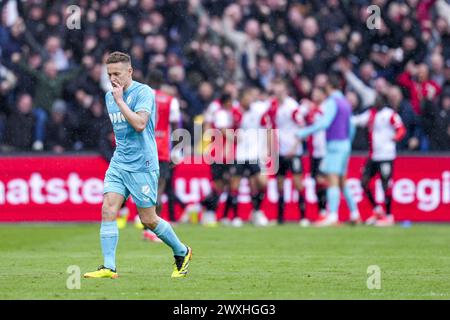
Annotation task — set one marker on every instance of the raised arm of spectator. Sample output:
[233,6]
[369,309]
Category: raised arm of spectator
[236,37]
[16,58]
[367,93]
[10,79]
[35,46]
[443,10]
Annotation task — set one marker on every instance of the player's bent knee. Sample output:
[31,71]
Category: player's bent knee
[108,213]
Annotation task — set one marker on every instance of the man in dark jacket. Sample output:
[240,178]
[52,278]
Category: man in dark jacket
[20,124]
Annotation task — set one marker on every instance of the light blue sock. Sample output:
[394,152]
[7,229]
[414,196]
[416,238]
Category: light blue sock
[333,199]
[165,232]
[350,201]
[109,236]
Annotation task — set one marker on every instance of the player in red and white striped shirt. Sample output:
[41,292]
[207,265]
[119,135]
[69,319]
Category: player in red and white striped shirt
[385,130]
[287,116]
[317,146]
[250,149]
[220,117]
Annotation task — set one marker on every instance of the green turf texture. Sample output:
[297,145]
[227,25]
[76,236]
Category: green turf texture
[280,262]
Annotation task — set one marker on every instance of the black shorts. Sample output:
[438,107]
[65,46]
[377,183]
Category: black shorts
[246,169]
[293,164]
[384,168]
[164,170]
[315,167]
[220,171]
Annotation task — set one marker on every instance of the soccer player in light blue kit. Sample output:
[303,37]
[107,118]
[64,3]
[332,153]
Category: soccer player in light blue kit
[134,168]
[336,120]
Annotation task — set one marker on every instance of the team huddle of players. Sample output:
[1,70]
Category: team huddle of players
[238,118]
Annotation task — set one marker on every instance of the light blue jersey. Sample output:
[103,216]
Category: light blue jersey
[135,151]
[340,131]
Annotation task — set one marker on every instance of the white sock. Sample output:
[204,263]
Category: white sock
[354,215]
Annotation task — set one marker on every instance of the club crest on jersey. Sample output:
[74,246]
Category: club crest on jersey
[117,117]
[146,190]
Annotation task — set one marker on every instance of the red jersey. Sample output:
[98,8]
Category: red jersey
[162,128]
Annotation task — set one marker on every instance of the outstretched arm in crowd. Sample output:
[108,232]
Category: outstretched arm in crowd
[16,58]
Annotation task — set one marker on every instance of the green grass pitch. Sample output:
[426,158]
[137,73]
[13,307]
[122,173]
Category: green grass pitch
[280,262]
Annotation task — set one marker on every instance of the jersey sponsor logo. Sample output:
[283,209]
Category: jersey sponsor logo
[117,117]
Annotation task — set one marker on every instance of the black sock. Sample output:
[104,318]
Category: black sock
[211,201]
[301,205]
[370,196]
[171,204]
[388,205]
[227,206]
[234,204]
[280,209]
[322,198]
[257,198]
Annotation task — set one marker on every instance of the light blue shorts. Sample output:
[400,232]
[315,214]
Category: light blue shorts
[337,157]
[143,186]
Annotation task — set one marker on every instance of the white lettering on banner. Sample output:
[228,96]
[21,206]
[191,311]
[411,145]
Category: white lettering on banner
[428,201]
[17,192]
[446,187]
[379,193]
[93,191]
[2,193]
[54,191]
[427,193]
[36,184]
[355,189]
[310,190]
[74,184]
[56,194]
[197,188]
[403,191]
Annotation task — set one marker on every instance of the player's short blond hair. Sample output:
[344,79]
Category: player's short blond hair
[118,56]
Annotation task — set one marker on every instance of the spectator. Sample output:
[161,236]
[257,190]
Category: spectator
[49,84]
[360,141]
[91,123]
[411,141]
[7,83]
[106,141]
[20,124]
[60,129]
[437,123]
[416,81]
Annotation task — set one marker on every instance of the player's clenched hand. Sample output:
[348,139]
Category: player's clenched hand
[117,91]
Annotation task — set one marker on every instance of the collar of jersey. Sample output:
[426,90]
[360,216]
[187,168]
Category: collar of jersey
[133,83]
